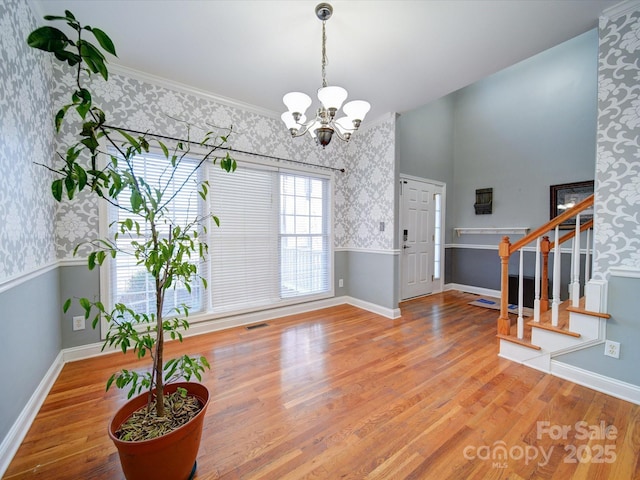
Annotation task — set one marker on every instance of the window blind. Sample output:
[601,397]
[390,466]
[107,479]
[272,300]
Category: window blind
[272,247]
[130,282]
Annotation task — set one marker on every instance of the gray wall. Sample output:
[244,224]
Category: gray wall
[30,341]
[76,282]
[425,144]
[518,131]
[622,327]
[372,278]
[523,129]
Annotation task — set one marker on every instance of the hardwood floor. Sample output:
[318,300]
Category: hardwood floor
[344,393]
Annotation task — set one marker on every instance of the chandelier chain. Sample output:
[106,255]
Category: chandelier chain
[324,55]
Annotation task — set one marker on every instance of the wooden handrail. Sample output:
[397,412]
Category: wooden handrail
[585,226]
[583,205]
[505,249]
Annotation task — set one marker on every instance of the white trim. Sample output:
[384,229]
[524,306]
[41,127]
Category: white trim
[579,346]
[472,289]
[422,180]
[367,250]
[73,262]
[20,427]
[620,9]
[490,230]
[181,87]
[628,272]
[391,313]
[208,326]
[610,386]
[475,246]
[439,188]
[21,278]
[472,246]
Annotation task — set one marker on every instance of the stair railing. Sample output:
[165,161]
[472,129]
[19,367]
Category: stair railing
[543,247]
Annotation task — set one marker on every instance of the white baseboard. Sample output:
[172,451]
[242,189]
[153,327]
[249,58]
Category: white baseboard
[372,307]
[19,429]
[610,386]
[472,289]
[208,326]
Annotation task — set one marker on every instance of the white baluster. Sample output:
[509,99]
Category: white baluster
[575,285]
[520,295]
[587,258]
[536,300]
[555,304]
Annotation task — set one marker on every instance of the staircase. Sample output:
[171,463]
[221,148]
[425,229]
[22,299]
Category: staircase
[557,326]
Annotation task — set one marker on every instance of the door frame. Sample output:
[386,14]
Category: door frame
[442,187]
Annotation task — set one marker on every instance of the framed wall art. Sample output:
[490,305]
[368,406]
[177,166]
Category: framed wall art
[565,196]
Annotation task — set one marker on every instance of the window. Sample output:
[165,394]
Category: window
[273,243]
[304,239]
[273,246]
[437,236]
[129,282]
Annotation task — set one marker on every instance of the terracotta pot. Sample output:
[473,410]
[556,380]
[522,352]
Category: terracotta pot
[170,457]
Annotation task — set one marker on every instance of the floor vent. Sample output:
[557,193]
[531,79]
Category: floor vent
[257,325]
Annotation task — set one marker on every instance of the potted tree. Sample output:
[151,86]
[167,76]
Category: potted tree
[167,251]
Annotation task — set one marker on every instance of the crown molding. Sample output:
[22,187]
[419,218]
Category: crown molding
[181,87]
[620,9]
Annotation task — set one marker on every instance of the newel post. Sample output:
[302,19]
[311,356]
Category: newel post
[545,246]
[504,325]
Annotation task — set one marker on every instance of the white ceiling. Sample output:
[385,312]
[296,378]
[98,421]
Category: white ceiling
[398,54]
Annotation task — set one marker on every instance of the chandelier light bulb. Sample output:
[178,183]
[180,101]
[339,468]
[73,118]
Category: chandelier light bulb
[297,102]
[332,97]
[357,109]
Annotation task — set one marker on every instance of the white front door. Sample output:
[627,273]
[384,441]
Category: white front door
[420,223]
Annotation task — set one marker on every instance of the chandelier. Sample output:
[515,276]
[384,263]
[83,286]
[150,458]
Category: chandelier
[324,124]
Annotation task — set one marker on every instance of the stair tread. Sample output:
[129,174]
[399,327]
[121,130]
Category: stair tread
[551,328]
[584,311]
[515,339]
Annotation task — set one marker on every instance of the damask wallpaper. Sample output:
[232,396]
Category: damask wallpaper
[363,194]
[27,210]
[369,193]
[617,205]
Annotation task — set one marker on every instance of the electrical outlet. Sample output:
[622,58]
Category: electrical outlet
[340,283]
[78,323]
[612,349]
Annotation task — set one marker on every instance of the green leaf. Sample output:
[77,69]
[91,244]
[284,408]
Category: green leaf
[49,39]
[82,176]
[104,41]
[86,304]
[91,261]
[136,200]
[110,381]
[164,148]
[60,118]
[56,189]
[132,141]
[66,305]
[57,17]
[66,56]
[91,143]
